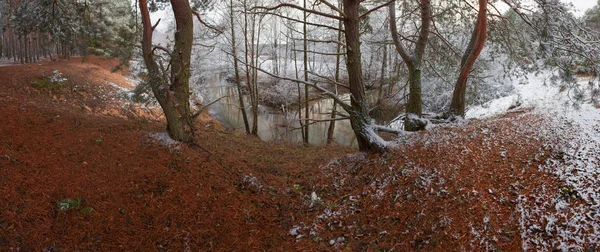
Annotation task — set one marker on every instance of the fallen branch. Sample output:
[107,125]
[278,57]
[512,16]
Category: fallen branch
[326,120]
[380,128]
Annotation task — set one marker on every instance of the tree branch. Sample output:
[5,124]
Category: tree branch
[327,120]
[329,79]
[163,49]
[207,105]
[376,8]
[297,20]
[408,59]
[321,53]
[205,23]
[298,8]
[155,25]
[334,8]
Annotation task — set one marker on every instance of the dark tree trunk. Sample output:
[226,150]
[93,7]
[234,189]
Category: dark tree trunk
[368,140]
[172,94]
[305,44]
[457,107]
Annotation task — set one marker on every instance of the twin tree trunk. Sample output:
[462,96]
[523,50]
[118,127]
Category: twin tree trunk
[173,93]
[413,62]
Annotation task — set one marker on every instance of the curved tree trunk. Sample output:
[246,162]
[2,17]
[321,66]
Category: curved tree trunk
[457,107]
[172,94]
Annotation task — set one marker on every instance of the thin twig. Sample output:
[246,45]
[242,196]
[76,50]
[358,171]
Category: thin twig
[298,8]
[206,106]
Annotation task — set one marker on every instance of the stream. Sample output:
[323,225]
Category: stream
[275,124]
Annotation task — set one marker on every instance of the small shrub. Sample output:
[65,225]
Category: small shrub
[52,83]
[74,204]
[68,204]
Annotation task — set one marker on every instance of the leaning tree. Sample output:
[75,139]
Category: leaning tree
[474,48]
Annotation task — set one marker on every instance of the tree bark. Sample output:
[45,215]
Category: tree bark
[172,94]
[361,123]
[414,106]
[457,107]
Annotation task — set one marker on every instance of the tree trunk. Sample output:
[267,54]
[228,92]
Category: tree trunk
[306,112]
[275,48]
[14,45]
[255,57]
[338,57]
[457,107]
[414,106]
[286,57]
[249,62]
[382,79]
[368,140]
[299,89]
[180,66]
[172,94]
[236,69]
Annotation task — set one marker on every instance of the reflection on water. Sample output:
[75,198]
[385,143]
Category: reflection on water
[276,124]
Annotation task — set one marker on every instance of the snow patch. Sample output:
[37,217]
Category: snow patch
[164,139]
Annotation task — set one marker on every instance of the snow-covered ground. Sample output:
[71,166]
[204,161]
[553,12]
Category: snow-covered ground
[549,220]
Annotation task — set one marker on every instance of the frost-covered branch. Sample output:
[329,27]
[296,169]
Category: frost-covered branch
[314,85]
[293,6]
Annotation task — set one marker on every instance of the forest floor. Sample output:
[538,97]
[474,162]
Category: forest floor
[82,168]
